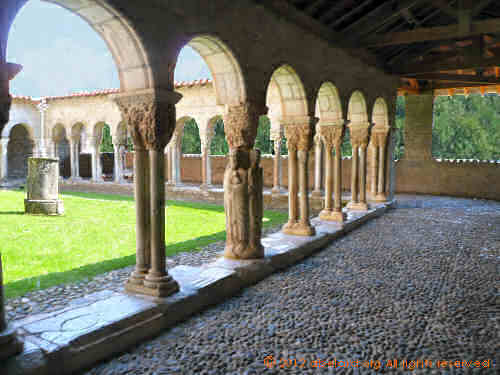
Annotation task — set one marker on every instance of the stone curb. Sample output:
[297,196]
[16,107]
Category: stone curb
[102,324]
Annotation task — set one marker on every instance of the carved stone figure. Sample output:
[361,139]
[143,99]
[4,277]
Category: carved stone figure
[243,203]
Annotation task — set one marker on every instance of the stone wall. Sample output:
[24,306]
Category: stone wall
[449,177]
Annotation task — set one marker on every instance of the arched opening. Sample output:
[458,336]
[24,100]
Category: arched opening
[329,112]
[376,153]
[77,139]
[122,156]
[99,160]
[263,140]
[107,154]
[224,69]
[357,111]
[19,149]
[62,150]
[380,116]
[286,100]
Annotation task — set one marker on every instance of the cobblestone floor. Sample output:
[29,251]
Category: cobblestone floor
[415,284]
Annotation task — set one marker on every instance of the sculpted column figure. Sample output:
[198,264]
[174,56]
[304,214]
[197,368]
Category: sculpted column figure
[150,117]
[318,158]
[299,137]
[359,140]
[332,135]
[243,184]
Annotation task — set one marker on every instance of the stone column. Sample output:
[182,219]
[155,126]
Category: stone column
[360,133]
[299,133]
[277,166]
[75,157]
[318,158]
[42,107]
[243,184]
[43,187]
[418,127]
[4,142]
[150,116]
[205,164]
[332,134]
[379,137]
[96,160]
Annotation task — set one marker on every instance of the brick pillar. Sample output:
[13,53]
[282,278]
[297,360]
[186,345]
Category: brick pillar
[418,127]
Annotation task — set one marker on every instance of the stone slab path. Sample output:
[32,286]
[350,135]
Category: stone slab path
[415,284]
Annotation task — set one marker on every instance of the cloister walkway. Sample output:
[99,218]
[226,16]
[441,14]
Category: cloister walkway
[383,292]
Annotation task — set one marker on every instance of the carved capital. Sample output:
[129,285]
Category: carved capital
[240,125]
[360,134]
[299,132]
[379,135]
[332,135]
[150,116]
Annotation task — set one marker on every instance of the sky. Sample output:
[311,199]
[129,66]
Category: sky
[61,54]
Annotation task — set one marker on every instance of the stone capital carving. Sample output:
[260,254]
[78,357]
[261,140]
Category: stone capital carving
[240,125]
[150,116]
[360,134]
[379,135]
[300,132]
[332,135]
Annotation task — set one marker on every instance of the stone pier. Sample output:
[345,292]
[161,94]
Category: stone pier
[43,187]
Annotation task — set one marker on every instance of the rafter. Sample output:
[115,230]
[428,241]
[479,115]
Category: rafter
[462,78]
[479,7]
[466,62]
[353,11]
[445,7]
[432,34]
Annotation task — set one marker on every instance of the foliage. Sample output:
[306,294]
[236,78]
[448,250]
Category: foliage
[263,140]
[95,235]
[465,127]
[191,143]
[219,145]
[107,142]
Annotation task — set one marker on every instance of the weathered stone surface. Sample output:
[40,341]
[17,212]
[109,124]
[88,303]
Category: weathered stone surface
[43,187]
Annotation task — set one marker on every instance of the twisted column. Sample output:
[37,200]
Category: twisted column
[243,184]
[299,133]
[332,135]
[360,134]
[150,116]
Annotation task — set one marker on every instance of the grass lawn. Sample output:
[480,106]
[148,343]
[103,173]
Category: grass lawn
[95,235]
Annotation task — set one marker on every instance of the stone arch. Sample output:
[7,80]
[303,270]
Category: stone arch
[19,149]
[357,111]
[122,39]
[380,113]
[286,88]
[328,104]
[229,84]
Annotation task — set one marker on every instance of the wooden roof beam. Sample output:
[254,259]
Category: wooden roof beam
[468,62]
[458,78]
[433,34]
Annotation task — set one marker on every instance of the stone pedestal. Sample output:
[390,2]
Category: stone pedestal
[43,187]
[9,345]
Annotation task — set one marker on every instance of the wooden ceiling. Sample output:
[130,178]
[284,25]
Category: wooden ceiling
[430,44]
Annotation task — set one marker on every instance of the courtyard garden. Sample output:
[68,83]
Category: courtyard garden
[95,235]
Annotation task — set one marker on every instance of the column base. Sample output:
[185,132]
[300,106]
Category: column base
[317,194]
[298,229]
[337,216]
[276,190]
[380,197]
[9,344]
[43,207]
[158,287]
[357,206]
[236,252]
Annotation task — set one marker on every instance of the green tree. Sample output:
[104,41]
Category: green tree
[106,142]
[219,145]
[263,140]
[191,143]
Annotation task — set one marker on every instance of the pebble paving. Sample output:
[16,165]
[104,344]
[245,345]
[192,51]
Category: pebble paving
[416,284]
